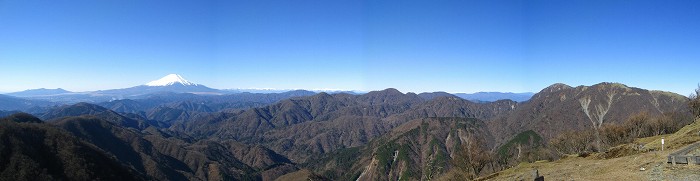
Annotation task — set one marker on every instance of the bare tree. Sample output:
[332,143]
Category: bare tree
[572,141]
[637,123]
[694,102]
[473,157]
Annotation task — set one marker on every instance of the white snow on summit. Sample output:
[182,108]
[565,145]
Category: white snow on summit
[170,79]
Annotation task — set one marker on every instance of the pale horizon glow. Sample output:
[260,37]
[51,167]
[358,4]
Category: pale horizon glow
[175,78]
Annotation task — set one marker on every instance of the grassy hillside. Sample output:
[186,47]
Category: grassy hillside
[624,162]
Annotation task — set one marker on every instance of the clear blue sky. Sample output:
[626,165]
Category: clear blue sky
[416,46]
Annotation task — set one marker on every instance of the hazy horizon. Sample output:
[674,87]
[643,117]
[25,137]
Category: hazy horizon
[274,89]
[323,89]
[413,46]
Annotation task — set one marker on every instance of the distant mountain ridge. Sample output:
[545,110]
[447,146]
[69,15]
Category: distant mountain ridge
[178,84]
[11,103]
[169,83]
[270,90]
[495,96]
[39,92]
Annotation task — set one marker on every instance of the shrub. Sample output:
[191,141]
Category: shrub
[571,142]
[636,126]
[694,102]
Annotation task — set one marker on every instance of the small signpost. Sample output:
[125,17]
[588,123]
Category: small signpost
[662,144]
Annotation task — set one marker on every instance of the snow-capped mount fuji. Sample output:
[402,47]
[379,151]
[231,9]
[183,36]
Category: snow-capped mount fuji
[171,79]
[173,83]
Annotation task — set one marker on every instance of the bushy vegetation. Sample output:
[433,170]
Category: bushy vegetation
[385,155]
[694,102]
[472,158]
[343,159]
[527,146]
[636,126]
[528,137]
[392,154]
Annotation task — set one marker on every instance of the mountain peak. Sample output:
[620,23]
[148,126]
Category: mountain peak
[39,92]
[556,87]
[170,79]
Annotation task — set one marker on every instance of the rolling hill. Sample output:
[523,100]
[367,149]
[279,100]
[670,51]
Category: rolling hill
[380,135]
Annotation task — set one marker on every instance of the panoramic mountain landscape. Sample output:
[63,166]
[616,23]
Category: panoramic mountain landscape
[186,131]
[349,90]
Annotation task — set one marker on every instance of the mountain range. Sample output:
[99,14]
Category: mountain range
[173,129]
[174,83]
[39,92]
[495,96]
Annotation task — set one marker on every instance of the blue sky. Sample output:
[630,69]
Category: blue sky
[414,46]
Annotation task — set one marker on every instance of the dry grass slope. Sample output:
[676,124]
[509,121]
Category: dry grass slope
[624,162]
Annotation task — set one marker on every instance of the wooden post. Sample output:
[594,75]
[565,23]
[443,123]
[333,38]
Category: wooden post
[673,160]
[691,160]
[662,144]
